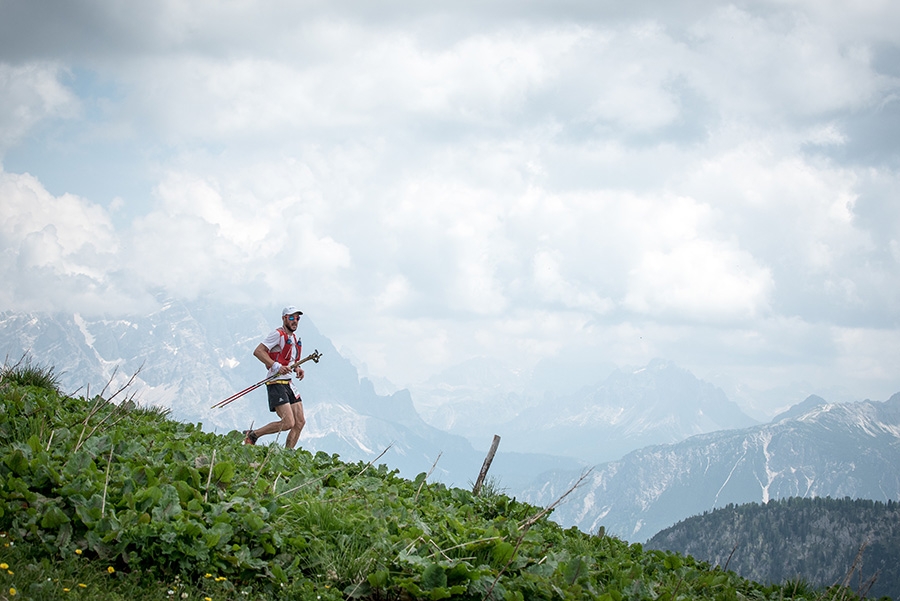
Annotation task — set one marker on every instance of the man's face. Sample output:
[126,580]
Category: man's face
[291,321]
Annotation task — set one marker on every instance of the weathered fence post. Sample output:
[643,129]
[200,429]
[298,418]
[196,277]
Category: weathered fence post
[486,466]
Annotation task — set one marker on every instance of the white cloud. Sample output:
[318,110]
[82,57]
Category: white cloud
[57,251]
[553,287]
[210,235]
[30,93]
[700,280]
[28,208]
[799,218]
[777,66]
[438,185]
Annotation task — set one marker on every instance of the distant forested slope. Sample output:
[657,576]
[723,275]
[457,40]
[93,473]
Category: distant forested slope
[815,540]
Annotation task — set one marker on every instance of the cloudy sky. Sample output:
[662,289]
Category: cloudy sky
[715,184]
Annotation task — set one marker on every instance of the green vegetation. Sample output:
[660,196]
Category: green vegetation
[107,501]
[25,373]
[820,540]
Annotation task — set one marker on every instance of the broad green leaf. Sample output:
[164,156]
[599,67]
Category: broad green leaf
[378,579]
[219,534]
[54,517]
[502,552]
[186,492]
[433,577]
[223,472]
[168,505]
[574,569]
[17,462]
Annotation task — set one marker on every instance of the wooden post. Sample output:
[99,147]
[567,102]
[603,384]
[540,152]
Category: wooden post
[486,466]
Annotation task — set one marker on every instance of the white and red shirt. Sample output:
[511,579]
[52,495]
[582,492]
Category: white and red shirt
[284,348]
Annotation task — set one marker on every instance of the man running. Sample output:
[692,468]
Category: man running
[278,351]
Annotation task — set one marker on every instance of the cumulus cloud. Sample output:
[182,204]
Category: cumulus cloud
[780,65]
[57,251]
[701,281]
[439,185]
[30,93]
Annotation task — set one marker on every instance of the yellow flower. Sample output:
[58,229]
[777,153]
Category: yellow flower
[78,551]
[10,572]
[207,575]
[111,570]
[66,590]
[12,592]
[82,585]
[207,598]
[4,566]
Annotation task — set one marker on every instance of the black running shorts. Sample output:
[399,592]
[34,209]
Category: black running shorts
[279,394]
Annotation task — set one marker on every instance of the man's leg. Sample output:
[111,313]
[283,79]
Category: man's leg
[298,422]
[287,421]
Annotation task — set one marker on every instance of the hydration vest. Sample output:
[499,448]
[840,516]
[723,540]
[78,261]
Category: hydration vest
[286,354]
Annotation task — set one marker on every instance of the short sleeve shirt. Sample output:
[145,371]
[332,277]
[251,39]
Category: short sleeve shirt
[273,343]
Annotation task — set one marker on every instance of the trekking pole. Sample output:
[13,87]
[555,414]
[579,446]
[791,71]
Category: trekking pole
[314,357]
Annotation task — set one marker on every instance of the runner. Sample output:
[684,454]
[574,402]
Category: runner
[277,351]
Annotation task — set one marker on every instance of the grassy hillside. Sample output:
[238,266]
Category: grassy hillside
[107,500]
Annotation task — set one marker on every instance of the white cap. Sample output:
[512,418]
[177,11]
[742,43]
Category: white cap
[290,310]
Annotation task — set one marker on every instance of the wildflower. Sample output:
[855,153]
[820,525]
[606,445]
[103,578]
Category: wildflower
[4,566]
[207,575]
[111,570]
[82,585]
[66,589]
[78,551]
[207,598]
[184,595]
[12,592]
[10,572]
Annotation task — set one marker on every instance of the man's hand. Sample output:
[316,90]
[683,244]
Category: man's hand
[279,369]
[299,371]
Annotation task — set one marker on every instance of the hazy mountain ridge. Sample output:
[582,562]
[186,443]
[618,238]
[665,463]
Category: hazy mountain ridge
[837,450]
[659,403]
[629,409]
[474,398]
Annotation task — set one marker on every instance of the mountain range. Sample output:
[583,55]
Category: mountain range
[626,410]
[816,449]
[673,445]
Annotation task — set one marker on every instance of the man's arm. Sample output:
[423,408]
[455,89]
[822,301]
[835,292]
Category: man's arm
[262,353]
